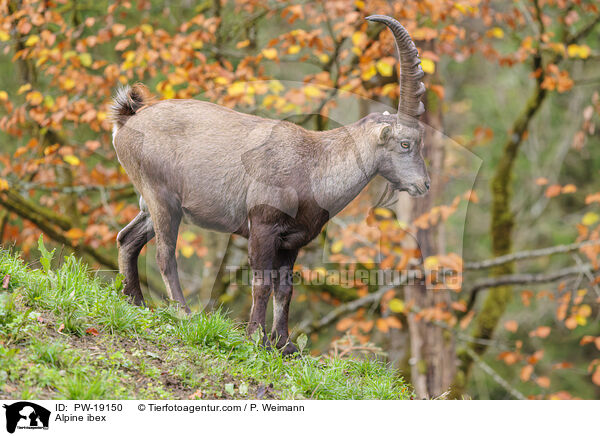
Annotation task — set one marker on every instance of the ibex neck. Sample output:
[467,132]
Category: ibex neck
[347,164]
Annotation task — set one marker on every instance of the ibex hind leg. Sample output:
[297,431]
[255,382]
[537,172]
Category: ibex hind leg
[130,242]
[166,216]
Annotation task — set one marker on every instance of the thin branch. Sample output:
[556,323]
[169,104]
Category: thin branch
[584,31]
[527,279]
[12,200]
[548,251]
[373,298]
[494,375]
[588,274]
[510,279]
[590,81]
[308,327]
[127,188]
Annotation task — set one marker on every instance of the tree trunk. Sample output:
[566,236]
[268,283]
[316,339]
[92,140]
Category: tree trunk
[432,348]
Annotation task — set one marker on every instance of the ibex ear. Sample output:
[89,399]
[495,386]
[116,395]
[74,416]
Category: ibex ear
[384,132]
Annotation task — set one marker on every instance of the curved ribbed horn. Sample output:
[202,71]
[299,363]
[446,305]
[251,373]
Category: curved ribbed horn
[411,87]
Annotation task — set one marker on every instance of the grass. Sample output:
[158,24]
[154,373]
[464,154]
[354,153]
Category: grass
[67,335]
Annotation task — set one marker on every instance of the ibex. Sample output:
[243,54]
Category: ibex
[270,181]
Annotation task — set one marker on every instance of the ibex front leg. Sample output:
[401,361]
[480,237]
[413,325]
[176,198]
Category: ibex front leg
[281,301]
[261,251]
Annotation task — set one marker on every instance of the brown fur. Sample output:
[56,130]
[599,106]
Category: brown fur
[270,181]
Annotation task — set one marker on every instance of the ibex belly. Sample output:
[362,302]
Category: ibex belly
[212,206]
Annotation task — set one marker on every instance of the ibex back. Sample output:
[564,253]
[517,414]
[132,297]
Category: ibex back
[270,181]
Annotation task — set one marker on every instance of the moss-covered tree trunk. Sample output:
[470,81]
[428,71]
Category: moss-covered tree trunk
[502,220]
[502,223]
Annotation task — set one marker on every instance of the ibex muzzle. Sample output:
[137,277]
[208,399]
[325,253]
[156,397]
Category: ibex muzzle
[270,181]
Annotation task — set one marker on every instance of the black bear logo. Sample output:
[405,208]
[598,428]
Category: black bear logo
[26,415]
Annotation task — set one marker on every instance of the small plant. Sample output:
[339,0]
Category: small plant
[34,290]
[83,387]
[71,320]
[47,256]
[209,330]
[119,317]
[53,354]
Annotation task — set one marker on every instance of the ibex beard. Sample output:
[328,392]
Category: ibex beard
[270,181]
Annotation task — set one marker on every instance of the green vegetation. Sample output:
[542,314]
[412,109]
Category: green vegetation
[512,147]
[67,335]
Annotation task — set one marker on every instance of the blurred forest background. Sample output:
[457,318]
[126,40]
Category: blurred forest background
[513,151]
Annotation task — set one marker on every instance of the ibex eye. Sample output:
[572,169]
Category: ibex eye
[405,144]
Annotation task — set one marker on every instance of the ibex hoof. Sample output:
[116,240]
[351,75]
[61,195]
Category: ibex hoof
[289,349]
[134,296]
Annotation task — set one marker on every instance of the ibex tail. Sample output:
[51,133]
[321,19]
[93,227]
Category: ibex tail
[128,101]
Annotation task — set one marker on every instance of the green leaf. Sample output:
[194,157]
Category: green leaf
[302,341]
[46,256]
[119,282]
[257,337]
[229,388]
[86,59]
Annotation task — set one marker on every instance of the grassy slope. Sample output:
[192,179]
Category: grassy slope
[66,335]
